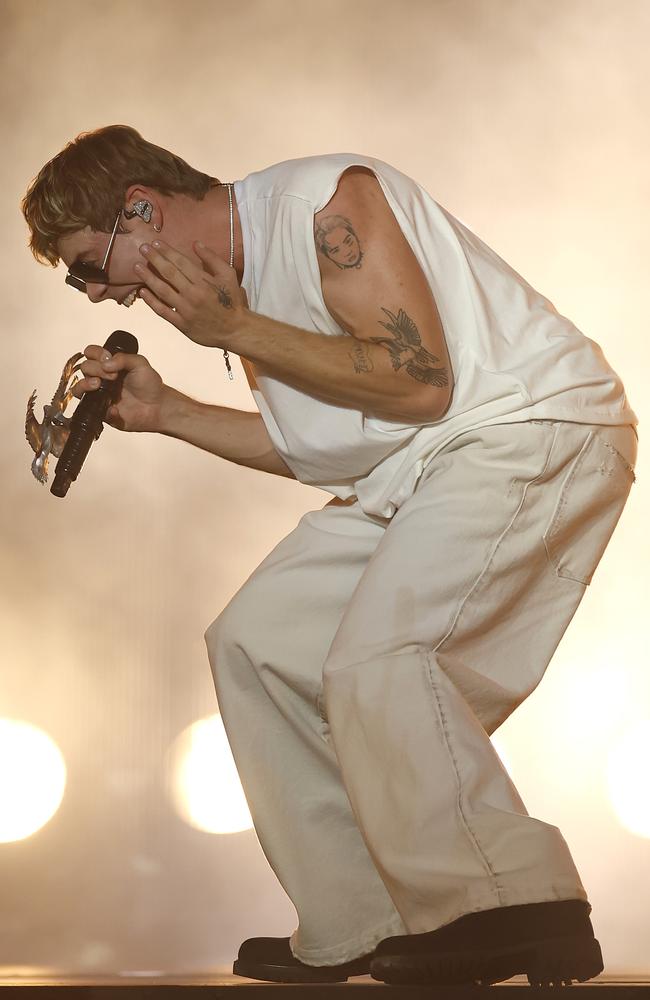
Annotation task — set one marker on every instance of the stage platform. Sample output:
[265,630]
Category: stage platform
[220,983]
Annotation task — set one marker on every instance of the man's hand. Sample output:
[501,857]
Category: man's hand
[142,393]
[207,308]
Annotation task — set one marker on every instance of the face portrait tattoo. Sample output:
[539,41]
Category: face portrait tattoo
[337,240]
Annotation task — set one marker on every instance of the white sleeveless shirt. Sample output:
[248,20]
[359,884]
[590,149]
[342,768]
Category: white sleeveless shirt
[513,356]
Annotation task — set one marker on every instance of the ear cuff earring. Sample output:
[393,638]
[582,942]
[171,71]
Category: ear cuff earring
[142,208]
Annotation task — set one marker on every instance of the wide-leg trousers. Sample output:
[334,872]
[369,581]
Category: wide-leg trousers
[363,666]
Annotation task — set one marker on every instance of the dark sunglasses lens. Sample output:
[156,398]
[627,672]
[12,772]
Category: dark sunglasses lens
[75,282]
[89,272]
[81,273]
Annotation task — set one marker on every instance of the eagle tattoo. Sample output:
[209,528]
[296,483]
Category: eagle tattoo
[405,348]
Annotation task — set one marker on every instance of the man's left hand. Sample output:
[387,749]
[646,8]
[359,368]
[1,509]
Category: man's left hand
[207,305]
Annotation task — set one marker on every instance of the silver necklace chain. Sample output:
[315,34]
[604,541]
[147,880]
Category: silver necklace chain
[232,259]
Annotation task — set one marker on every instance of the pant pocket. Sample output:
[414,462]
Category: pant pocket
[591,501]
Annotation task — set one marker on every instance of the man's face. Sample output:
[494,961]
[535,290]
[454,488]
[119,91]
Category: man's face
[342,247]
[90,247]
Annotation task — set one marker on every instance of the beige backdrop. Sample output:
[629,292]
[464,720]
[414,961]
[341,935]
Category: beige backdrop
[528,119]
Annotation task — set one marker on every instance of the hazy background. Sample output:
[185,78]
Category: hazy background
[528,120]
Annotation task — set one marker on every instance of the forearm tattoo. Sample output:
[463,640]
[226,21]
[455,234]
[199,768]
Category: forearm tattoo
[405,348]
[336,239]
[361,358]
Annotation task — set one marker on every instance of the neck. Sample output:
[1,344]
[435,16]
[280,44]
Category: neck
[207,220]
[217,228]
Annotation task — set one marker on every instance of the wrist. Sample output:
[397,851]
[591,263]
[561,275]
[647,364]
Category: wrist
[173,406]
[243,331]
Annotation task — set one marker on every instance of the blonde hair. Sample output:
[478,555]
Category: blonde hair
[84,185]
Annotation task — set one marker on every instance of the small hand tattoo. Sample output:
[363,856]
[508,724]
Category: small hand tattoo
[225,298]
[337,240]
[361,358]
[405,348]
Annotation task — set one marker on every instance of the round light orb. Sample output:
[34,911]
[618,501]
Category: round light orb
[627,779]
[32,779]
[204,783]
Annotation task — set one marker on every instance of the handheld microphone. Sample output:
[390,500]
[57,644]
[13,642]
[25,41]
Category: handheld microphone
[86,423]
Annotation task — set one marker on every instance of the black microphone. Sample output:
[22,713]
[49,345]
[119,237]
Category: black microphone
[86,423]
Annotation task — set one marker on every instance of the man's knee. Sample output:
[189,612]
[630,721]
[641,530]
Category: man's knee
[237,620]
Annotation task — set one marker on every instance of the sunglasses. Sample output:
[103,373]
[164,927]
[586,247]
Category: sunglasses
[80,273]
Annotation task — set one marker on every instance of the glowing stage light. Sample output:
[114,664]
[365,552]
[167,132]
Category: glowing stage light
[205,785]
[627,779]
[32,779]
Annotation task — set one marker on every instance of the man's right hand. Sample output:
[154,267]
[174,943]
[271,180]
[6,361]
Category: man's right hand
[143,390]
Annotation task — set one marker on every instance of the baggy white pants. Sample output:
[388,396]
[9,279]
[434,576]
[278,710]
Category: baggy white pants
[362,667]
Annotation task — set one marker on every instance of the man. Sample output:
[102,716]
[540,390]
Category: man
[480,451]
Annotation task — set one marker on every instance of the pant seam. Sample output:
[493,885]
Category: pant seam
[503,534]
[558,513]
[446,735]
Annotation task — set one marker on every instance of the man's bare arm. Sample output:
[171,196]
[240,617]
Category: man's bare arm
[236,435]
[394,363]
[146,403]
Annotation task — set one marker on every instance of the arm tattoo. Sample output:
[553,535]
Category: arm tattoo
[337,240]
[361,358]
[405,348]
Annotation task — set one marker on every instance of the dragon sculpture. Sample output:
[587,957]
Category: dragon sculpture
[50,436]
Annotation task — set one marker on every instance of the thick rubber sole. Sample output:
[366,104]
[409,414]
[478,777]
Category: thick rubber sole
[298,972]
[554,962]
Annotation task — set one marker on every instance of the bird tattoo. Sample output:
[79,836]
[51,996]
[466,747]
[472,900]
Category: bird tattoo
[405,348]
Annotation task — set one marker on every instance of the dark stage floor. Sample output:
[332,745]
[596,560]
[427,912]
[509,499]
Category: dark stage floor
[218,982]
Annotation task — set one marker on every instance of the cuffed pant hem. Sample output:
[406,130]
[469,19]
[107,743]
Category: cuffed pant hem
[349,950]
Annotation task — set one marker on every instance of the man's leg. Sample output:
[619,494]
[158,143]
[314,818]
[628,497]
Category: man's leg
[452,626]
[267,650]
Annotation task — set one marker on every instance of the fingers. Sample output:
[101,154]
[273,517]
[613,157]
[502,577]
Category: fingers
[156,288]
[165,291]
[210,259]
[94,371]
[95,351]
[173,265]
[166,312]
[90,368]
[170,273]
[115,362]
[102,365]
[85,385]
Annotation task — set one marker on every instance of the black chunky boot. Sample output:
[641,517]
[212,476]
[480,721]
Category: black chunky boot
[271,959]
[552,943]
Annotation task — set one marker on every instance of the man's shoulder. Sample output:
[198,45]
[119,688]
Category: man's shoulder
[302,177]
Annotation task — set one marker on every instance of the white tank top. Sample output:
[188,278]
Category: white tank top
[513,356]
